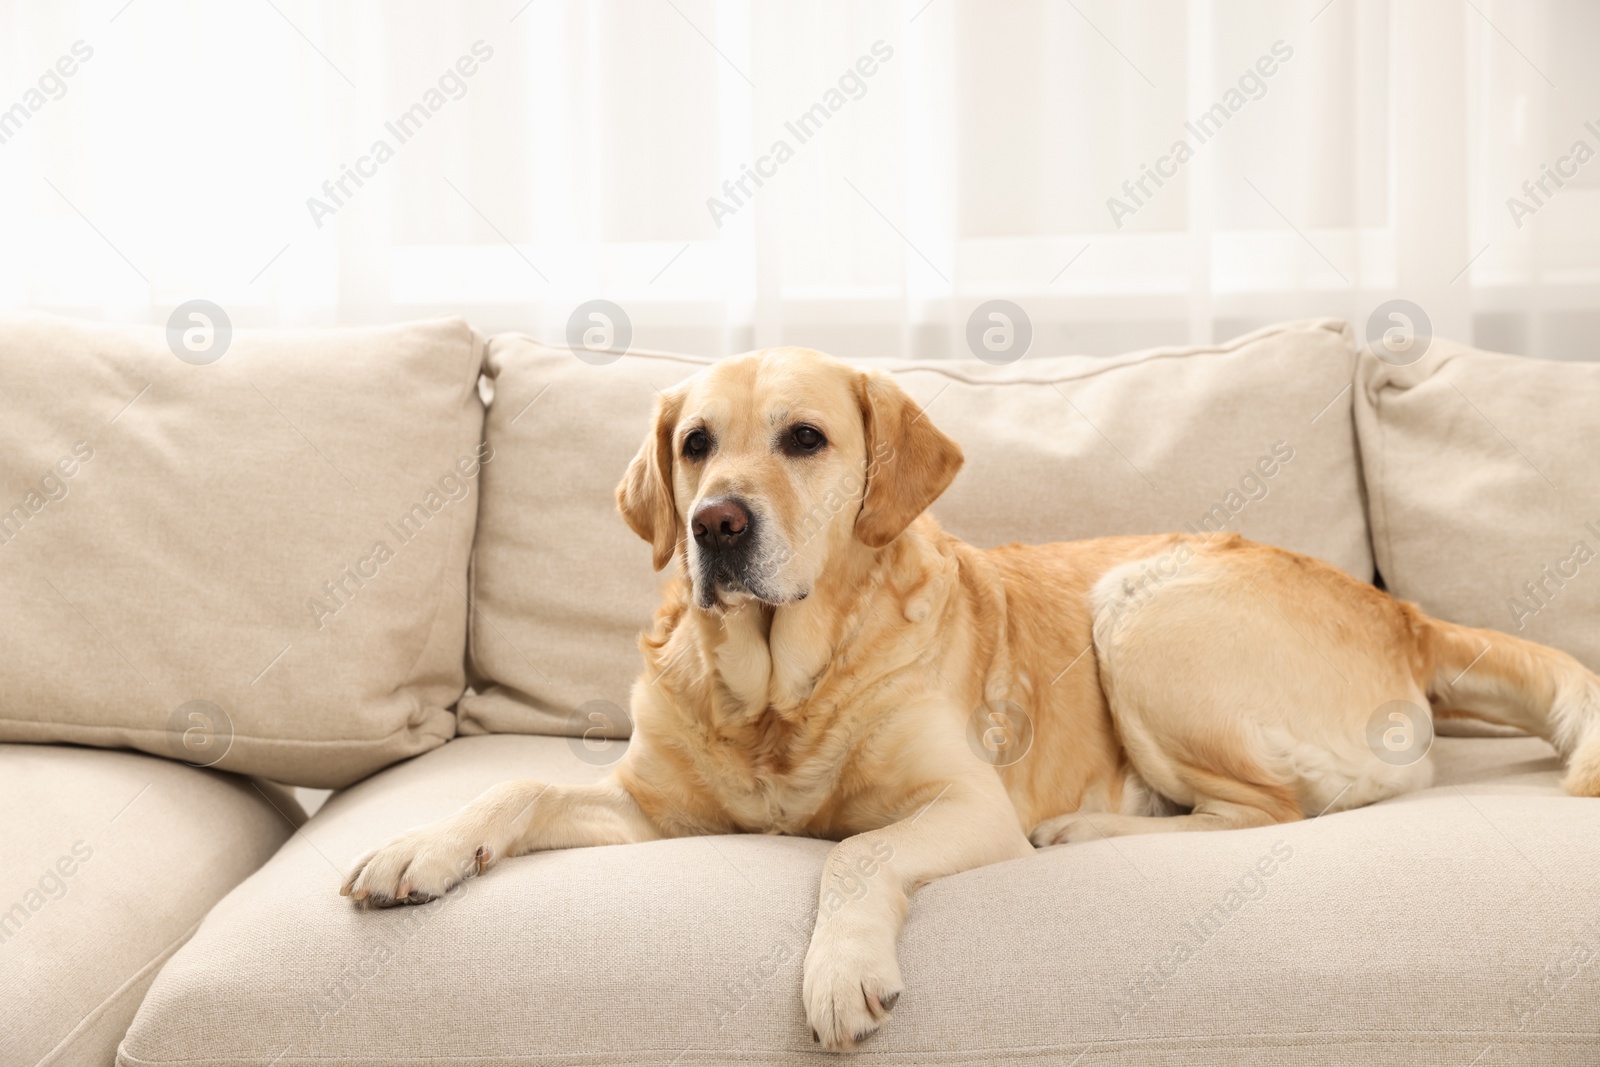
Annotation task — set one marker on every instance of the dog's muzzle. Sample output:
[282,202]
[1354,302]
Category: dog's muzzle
[725,534]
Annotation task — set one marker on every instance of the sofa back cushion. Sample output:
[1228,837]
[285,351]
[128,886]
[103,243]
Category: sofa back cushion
[1253,436]
[257,563]
[1485,491]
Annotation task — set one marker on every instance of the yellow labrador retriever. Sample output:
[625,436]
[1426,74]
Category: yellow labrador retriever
[825,650]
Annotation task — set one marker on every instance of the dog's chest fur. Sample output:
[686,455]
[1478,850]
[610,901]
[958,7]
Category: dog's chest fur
[766,779]
[783,722]
[772,758]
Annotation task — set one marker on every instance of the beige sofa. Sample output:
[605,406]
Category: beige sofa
[385,562]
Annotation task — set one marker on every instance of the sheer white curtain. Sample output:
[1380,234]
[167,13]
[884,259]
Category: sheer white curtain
[303,162]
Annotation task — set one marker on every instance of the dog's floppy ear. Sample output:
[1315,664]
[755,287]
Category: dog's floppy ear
[909,461]
[645,495]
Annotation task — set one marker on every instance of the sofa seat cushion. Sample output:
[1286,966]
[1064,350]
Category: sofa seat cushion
[1422,930]
[1253,435]
[109,862]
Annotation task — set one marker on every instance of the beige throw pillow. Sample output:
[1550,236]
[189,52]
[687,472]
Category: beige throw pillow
[1485,490]
[256,562]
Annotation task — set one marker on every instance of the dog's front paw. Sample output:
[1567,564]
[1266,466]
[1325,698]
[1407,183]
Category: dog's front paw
[851,983]
[416,867]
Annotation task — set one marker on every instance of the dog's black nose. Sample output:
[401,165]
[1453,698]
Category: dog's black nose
[721,523]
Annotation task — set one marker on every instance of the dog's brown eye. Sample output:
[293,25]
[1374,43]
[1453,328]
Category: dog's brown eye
[805,438]
[697,444]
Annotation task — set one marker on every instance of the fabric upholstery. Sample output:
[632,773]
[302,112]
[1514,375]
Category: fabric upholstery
[258,563]
[1423,930]
[1253,436]
[110,860]
[1485,492]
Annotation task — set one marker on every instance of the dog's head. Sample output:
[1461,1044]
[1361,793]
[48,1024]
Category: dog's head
[766,467]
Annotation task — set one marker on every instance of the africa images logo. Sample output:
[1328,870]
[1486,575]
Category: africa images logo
[451,85]
[1251,85]
[851,85]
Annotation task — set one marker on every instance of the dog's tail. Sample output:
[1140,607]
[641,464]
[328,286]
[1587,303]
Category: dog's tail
[1493,676]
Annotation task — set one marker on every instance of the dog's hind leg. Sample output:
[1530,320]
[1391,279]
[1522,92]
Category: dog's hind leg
[1250,805]
[1078,827]
[1242,681]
